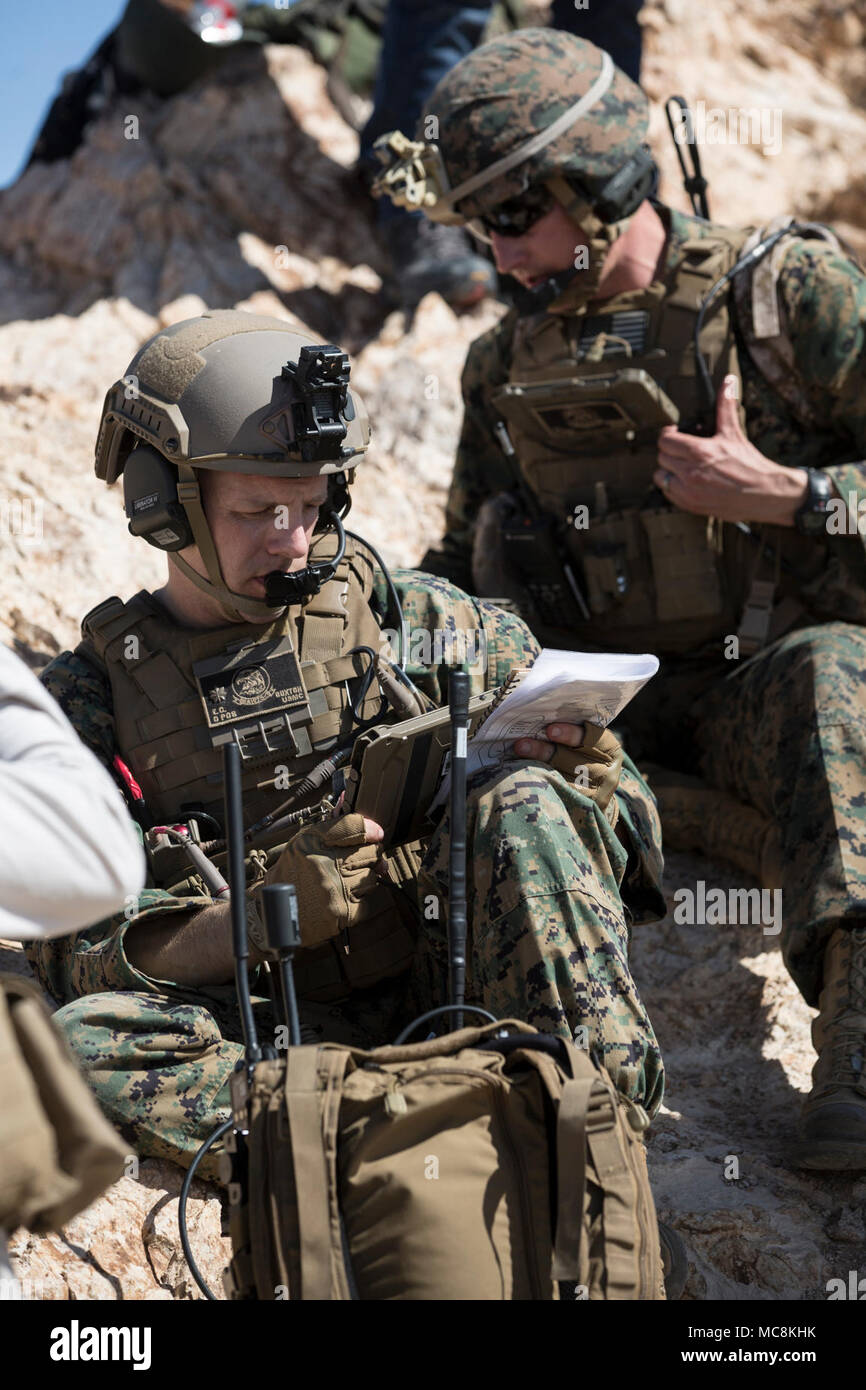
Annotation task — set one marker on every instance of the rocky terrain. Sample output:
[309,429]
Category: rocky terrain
[241,193]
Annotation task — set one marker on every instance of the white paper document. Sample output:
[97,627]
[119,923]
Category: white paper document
[569,687]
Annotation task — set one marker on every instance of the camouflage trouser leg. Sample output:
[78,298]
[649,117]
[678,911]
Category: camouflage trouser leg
[786,733]
[548,941]
[160,1067]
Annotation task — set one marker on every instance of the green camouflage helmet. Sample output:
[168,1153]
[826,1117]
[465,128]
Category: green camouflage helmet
[530,107]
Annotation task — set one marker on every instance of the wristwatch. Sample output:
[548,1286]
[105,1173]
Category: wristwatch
[811,518]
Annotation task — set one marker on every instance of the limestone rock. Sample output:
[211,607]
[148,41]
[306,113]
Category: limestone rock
[126,1245]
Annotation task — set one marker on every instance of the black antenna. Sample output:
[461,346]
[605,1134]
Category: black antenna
[695,184]
[237,884]
[458,704]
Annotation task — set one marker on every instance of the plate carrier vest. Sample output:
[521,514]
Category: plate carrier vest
[168,709]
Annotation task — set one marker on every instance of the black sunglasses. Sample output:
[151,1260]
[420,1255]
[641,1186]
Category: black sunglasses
[517,215]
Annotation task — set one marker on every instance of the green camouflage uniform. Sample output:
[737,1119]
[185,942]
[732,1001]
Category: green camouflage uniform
[552,891]
[784,731]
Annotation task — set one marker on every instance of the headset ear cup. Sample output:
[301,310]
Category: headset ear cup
[150,497]
[624,192]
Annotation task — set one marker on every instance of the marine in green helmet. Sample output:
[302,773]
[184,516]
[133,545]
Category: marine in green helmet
[663,448]
[237,440]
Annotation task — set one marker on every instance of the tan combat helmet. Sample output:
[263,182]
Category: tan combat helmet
[240,393]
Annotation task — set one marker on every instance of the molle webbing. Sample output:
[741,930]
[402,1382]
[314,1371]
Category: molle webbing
[161,732]
[584,403]
[160,723]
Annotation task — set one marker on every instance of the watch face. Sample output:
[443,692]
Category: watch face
[811,519]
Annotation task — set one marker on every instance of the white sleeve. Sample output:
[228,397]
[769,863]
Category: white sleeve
[69,853]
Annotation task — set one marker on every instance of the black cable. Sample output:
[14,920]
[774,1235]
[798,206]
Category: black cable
[181,1208]
[392,594]
[437,1013]
[757,253]
[365,683]
[313,782]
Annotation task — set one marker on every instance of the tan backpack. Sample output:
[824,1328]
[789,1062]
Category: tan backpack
[492,1163]
[57,1150]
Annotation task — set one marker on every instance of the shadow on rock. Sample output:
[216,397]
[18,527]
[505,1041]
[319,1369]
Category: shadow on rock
[218,192]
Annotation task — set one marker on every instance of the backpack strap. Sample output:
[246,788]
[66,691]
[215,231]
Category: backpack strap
[314,1079]
[589,1131]
[572,1109]
[606,1145]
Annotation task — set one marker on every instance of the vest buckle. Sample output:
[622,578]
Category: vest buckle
[253,740]
[754,626]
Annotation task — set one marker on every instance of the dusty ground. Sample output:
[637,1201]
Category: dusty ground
[240,194]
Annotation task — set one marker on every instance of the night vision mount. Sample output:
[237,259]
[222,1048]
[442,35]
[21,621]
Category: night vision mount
[321,378]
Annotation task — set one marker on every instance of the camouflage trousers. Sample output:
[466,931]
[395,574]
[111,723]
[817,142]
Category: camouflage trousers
[548,943]
[784,732]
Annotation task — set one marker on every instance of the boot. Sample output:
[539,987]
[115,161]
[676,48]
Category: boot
[425,257]
[833,1121]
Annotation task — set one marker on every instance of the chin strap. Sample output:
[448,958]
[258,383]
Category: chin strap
[282,589]
[600,236]
[238,607]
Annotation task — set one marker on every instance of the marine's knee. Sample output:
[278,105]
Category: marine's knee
[532,789]
[87,1025]
[821,669]
[104,1027]
[525,791]
[532,825]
